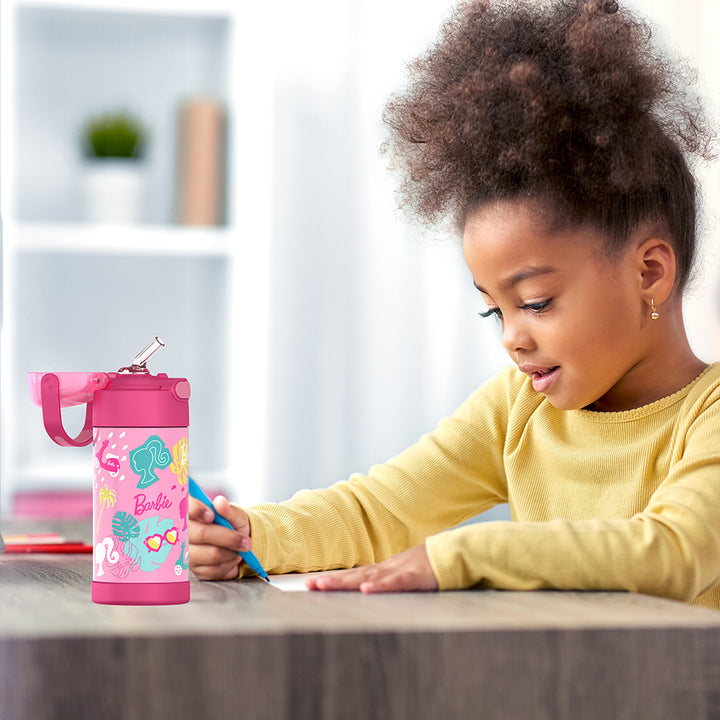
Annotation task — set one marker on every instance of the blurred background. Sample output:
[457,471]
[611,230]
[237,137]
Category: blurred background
[251,223]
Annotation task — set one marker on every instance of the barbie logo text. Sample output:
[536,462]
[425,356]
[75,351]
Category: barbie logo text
[142,504]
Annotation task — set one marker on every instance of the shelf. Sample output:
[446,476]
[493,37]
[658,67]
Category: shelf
[78,294]
[70,238]
[73,62]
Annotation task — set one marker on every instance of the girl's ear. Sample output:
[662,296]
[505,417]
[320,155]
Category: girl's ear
[656,264]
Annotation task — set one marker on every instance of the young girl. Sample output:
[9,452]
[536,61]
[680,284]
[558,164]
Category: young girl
[558,140]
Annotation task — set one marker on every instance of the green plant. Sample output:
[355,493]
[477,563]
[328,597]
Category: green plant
[117,135]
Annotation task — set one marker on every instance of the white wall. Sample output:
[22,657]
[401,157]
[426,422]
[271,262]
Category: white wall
[690,30]
[375,334]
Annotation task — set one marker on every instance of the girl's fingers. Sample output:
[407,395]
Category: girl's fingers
[367,579]
[200,533]
[199,511]
[212,562]
[203,531]
[342,580]
[234,514]
[227,570]
[408,571]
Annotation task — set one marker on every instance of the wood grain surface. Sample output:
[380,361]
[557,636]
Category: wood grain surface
[247,650]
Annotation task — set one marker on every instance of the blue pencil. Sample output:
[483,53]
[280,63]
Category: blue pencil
[248,556]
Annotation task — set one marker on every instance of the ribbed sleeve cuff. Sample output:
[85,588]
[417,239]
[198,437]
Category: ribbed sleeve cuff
[447,563]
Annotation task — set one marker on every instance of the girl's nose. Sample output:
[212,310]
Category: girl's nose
[515,336]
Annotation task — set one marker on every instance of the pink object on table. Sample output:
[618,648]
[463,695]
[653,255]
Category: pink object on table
[138,426]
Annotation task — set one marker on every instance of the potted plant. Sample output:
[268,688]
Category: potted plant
[114,146]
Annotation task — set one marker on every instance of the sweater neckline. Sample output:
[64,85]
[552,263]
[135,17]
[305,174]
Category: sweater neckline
[645,410]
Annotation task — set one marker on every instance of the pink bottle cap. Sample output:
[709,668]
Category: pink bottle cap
[136,400]
[131,397]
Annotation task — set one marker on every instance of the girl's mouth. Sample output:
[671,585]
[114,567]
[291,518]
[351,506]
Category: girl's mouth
[543,379]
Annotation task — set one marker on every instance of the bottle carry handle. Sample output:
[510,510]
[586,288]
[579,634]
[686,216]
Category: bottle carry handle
[52,417]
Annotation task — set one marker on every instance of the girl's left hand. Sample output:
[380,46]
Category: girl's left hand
[409,570]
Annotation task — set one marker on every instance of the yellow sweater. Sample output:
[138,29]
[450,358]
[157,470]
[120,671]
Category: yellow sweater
[627,500]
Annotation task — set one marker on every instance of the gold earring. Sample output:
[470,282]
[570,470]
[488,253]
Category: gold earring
[654,314]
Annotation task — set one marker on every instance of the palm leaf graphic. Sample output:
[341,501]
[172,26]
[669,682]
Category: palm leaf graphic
[125,526]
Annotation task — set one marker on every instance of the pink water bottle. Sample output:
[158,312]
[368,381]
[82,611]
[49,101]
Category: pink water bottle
[138,426]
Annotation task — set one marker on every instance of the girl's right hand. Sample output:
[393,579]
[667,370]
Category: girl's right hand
[213,548]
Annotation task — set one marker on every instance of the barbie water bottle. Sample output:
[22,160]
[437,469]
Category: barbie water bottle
[138,426]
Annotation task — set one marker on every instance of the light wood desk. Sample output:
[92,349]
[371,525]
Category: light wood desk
[247,650]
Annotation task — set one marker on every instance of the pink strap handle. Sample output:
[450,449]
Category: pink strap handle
[52,418]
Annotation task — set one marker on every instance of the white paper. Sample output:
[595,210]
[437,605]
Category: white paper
[289,583]
[295,582]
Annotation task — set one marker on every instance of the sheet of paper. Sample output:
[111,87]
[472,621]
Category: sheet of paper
[289,583]
[295,582]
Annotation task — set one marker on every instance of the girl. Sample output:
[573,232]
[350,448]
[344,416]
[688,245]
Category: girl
[559,142]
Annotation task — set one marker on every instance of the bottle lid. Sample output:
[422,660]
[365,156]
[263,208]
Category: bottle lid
[142,400]
[129,398]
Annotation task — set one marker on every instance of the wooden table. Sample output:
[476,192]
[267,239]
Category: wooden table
[246,650]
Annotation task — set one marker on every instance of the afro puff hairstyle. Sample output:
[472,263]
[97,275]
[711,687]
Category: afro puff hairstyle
[565,102]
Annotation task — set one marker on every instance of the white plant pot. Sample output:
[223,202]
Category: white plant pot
[114,190]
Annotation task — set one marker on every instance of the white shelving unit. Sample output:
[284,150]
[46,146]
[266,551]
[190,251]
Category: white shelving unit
[82,296]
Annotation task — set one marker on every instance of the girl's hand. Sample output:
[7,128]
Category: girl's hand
[213,548]
[409,570]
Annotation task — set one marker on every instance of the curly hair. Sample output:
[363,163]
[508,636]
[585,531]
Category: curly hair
[562,101]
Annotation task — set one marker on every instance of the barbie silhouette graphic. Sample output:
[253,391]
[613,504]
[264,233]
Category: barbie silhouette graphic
[145,459]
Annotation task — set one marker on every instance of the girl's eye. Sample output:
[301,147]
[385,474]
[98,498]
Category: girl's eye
[490,312]
[537,307]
